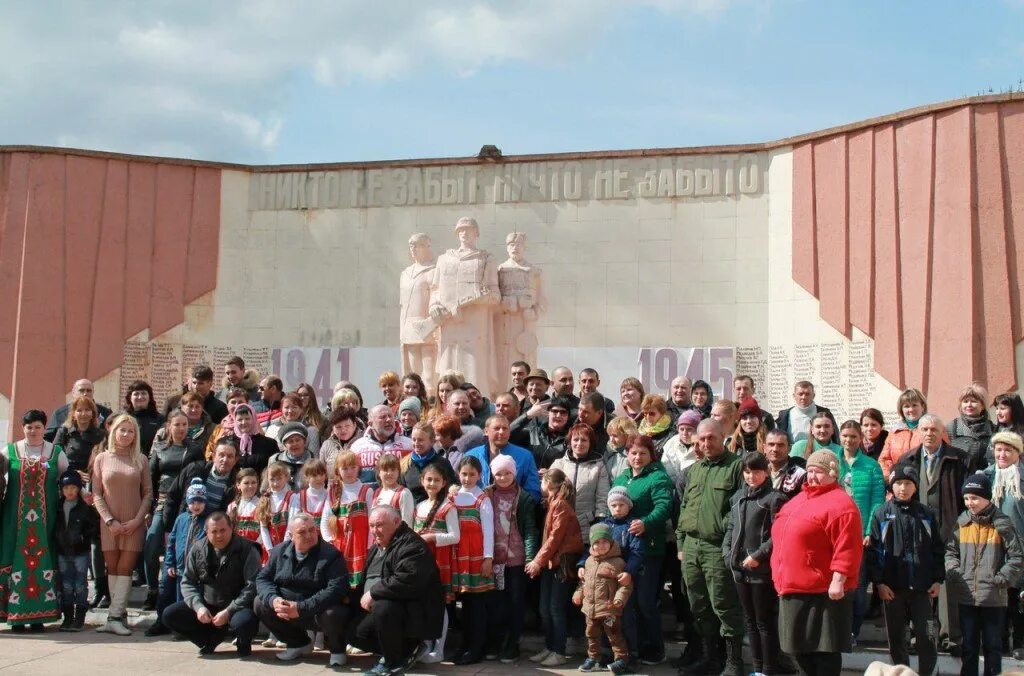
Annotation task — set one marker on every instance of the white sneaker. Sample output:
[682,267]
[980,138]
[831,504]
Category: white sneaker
[337,660]
[290,654]
[115,626]
[541,656]
[554,660]
[270,643]
[318,641]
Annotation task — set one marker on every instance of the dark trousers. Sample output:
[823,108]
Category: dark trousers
[181,619]
[916,606]
[382,631]
[1014,618]
[507,607]
[152,549]
[293,632]
[646,590]
[474,622]
[672,572]
[555,595]
[820,664]
[985,623]
[860,600]
[761,611]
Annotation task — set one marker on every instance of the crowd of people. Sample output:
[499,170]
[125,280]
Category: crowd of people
[248,511]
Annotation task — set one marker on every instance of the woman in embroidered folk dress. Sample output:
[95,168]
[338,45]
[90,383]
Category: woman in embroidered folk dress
[123,488]
[346,524]
[472,578]
[437,522]
[28,591]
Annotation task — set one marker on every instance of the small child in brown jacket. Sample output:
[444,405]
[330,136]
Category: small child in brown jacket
[602,599]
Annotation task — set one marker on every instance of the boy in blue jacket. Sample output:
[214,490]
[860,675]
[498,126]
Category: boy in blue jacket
[189,527]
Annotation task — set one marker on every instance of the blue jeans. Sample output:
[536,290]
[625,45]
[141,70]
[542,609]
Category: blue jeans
[555,597]
[73,579]
[153,549]
[988,623]
[646,590]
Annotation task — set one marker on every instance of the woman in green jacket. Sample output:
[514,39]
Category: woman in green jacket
[649,487]
[861,476]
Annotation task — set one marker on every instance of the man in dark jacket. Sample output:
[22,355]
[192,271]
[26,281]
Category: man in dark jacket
[941,470]
[546,433]
[303,588]
[218,475]
[592,412]
[795,420]
[81,388]
[905,562]
[787,473]
[217,590]
[401,599]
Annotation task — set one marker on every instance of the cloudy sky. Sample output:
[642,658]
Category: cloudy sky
[341,80]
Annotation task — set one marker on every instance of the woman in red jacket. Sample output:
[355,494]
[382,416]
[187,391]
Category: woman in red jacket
[815,562]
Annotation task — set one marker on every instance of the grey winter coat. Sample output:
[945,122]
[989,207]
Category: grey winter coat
[984,558]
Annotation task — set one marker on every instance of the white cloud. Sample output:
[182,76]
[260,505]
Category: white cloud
[214,79]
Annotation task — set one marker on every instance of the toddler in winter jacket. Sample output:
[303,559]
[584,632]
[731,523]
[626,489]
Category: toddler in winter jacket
[602,598]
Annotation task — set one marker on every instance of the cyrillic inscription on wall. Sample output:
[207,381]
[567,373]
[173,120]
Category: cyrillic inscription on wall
[684,177]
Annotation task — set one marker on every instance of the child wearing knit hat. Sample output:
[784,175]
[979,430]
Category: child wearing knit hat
[602,598]
[983,559]
[188,527]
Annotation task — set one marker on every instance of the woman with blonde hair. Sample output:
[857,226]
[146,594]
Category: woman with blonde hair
[910,405]
[446,384]
[972,430]
[631,395]
[655,422]
[123,491]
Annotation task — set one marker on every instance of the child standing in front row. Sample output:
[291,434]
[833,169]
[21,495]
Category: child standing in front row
[243,510]
[472,578]
[437,522]
[391,492]
[77,525]
[311,499]
[272,511]
[983,558]
[602,598]
[561,538]
[904,560]
[346,520]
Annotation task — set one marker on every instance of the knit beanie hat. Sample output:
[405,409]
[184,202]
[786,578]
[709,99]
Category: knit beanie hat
[619,494]
[411,404]
[503,462]
[196,491]
[749,407]
[688,417]
[290,429]
[978,484]
[1011,439]
[826,460]
[903,472]
[70,478]
[600,531]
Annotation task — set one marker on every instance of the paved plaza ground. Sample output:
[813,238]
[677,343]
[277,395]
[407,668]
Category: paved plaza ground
[89,653]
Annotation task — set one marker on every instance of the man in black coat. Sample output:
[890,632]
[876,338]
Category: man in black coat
[303,588]
[218,475]
[217,589]
[81,388]
[401,600]
[805,408]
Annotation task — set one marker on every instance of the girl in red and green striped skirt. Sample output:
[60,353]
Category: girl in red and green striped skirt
[437,522]
[472,578]
[346,519]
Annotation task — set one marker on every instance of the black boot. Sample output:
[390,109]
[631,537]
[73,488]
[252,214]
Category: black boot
[734,657]
[102,597]
[80,612]
[711,662]
[693,651]
[150,603]
[69,618]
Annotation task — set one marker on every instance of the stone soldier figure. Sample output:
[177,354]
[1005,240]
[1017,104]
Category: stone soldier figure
[522,302]
[417,329]
[463,293]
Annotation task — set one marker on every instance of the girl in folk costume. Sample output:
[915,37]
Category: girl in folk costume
[346,521]
[391,492]
[472,578]
[437,522]
[243,510]
[272,511]
[313,498]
